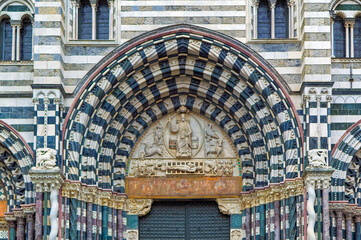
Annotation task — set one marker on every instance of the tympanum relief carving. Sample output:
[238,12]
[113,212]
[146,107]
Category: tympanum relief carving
[183,143]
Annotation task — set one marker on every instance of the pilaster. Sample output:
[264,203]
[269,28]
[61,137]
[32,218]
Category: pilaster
[317,177]
[136,208]
[48,179]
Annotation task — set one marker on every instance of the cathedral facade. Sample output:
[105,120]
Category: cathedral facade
[197,119]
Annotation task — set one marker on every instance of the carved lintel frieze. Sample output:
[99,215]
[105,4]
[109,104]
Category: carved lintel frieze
[138,207]
[230,205]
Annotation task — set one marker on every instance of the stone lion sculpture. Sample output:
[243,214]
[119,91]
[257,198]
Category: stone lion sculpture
[317,158]
[45,158]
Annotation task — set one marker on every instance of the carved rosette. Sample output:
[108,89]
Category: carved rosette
[139,207]
[230,205]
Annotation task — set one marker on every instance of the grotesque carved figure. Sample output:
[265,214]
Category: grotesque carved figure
[317,158]
[45,158]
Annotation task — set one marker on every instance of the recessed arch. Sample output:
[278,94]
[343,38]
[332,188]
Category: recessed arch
[16,160]
[146,78]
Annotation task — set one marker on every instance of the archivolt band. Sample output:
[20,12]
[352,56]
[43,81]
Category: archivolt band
[79,187]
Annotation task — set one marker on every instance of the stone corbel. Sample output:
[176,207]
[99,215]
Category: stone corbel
[140,207]
[229,206]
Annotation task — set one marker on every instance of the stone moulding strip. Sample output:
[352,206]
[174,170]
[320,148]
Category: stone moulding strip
[345,207]
[92,194]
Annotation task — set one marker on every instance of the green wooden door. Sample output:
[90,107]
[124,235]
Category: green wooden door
[184,221]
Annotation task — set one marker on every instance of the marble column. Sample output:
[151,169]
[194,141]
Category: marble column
[358,227]
[349,226]
[30,225]
[12,226]
[277,220]
[18,42]
[20,228]
[13,48]
[339,224]
[89,220]
[325,213]
[94,20]
[347,40]
[272,7]
[39,216]
[120,224]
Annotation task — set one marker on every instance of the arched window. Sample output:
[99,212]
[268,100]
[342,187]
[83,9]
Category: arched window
[26,33]
[103,20]
[281,19]
[85,20]
[339,38]
[357,37]
[6,39]
[264,20]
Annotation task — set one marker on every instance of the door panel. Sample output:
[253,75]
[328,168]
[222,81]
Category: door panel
[184,221]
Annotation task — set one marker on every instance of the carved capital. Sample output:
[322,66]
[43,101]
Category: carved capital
[236,234]
[139,207]
[46,180]
[132,234]
[230,205]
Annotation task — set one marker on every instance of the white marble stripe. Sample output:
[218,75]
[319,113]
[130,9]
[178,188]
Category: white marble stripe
[317,45]
[343,119]
[184,14]
[345,71]
[317,60]
[281,55]
[317,15]
[4,89]
[47,31]
[48,4]
[225,27]
[6,76]
[317,29]
[185,3]
[48,18]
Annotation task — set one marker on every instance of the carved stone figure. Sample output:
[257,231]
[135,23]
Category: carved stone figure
[317,158]
[214,144]
[45,158]
[184,133]
[190,167]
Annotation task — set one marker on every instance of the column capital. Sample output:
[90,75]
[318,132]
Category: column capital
[46,178]
[140,207]
[229,206]
[255,3]
[291,3]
